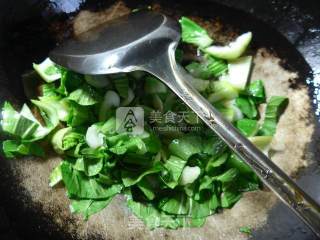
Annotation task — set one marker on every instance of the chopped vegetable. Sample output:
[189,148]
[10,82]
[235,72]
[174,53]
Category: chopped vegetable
[248,127]
[239,71]
[246,230]
[233,50]
[94,138]
[210,68]
[189,175]
[47,70]
[275,107]
[175,173]
[55,176]
[222,90]
[262,142]
[247,107]
[13,148]
[194,34]
[88,207]
[257,92]
[85,95]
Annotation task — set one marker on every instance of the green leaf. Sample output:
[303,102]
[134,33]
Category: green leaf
[174,166]
[79,115]
[79,185]
[55,176]
[235,162]
[137,159]
[88,207]
[95,153]
[206,183]
[275,107]
[133,144]
[130,178]
[153,143]
[70,81]
[229,198]
[215,162]
[228,176]
[48,112]
[24,125]
[214,146]
[151,216]
[247,107]
[90,166]
[49,90]
[257,91]
[186,146]
[194,34]
[85,95]
[247,127]
[16,124]
[248,183]
[116,139]
[178,204]
[13,148]
[246,230]
[203,209]
[109,127]
[210,68]
[216,66]
[146,187]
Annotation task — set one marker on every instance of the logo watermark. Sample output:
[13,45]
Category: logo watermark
[130,120]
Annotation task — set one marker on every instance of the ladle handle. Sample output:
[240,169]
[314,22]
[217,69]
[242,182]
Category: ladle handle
[281,184]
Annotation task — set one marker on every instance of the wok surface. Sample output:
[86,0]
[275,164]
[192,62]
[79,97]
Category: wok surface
[29,40]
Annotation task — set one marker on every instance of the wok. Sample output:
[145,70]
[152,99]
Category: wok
[30,29]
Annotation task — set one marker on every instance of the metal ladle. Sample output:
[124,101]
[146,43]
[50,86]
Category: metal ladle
[147,41]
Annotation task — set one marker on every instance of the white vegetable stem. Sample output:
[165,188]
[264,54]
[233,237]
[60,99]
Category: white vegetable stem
[42,70]
[262,142]
[129,99]
[239,72]
[94,138]
[111,99]
[237,112]
[189,175]
[232,51]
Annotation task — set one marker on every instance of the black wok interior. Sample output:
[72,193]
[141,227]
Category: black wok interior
[27,35]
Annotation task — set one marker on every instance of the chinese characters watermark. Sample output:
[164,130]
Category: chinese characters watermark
[173,117]
[131,120]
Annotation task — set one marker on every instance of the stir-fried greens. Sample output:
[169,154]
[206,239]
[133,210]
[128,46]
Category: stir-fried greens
[175,172]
